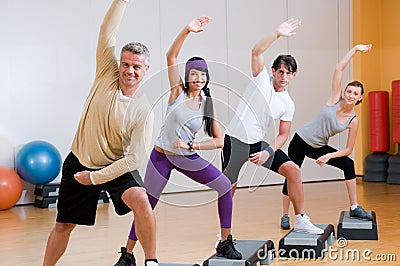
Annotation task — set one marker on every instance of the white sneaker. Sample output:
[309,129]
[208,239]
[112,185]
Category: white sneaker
[304,225]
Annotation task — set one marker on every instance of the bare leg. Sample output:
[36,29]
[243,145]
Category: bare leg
[145,224]
[234,186]
[130,245]
[57,243]
[293,175]
[285,204]
[352,191]
[295,188]
[224,233]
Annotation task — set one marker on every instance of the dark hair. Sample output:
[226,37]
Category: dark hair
[287,60]
[137,48]
[208,115]
[356,84]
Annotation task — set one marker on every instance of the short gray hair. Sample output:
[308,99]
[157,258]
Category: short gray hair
[137,48]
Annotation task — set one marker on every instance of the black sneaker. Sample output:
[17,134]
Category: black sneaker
[227,249]
[360,213]
[126,259]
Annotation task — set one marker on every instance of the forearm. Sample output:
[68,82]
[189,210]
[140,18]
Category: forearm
[257,58]
[210,144]
[278,142]
[111,23]
[140,141]
[262,45]
[343,63]
[115,170]
[108,31]
[139,145]
[340,153]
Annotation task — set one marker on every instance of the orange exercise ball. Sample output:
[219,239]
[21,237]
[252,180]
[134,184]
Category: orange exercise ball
[10,188]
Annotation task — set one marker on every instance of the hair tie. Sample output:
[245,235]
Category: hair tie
[206,92]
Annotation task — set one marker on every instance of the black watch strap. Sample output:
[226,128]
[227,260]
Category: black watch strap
[190,143]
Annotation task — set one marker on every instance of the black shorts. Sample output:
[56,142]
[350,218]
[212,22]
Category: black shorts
[235,153]
[77,203]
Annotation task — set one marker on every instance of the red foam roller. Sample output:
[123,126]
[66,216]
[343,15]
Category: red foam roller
[396,110]
[379,121]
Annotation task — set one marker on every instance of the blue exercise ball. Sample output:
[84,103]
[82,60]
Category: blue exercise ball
[38,162]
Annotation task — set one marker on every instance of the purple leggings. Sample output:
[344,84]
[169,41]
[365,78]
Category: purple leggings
[196,168]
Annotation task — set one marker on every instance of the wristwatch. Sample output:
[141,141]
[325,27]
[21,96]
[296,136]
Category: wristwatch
[190,143]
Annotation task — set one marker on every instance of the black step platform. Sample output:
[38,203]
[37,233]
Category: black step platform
[302,245]
[355,229]
[254,252]
[47,190]
[51,201]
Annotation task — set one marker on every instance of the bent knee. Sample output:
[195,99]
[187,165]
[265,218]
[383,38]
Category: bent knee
[222,185]
[290,170]
[348,163]
[64,228]
[136,199]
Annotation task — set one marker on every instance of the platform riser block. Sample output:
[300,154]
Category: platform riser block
[48,190]
[354,229]
[307,246]
[254,252]
[51,202]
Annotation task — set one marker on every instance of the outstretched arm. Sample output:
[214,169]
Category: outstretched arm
[108,30]
[175,80]
[285,29]
[340,67]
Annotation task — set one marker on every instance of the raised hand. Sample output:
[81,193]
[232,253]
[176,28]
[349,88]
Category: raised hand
[197,24]
[288,27]
[363,47]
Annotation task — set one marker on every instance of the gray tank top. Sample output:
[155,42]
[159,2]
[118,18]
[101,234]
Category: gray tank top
[317,132]
[180,122]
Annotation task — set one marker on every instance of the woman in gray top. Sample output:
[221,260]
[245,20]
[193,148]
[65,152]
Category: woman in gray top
[336,115]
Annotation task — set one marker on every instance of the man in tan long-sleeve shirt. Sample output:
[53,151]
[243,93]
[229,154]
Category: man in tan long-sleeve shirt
[110,144]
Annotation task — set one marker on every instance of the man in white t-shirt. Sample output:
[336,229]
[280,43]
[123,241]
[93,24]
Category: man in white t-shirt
[264,101]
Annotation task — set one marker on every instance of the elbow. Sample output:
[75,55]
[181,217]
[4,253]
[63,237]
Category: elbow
[339,67]
[219,142]
[168,56]
[348,152]
[255,51]
[171,58]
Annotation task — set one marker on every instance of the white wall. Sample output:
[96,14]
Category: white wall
[48,49]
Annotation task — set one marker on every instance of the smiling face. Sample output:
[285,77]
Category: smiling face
[197,79]
[352,95]
[132,69]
